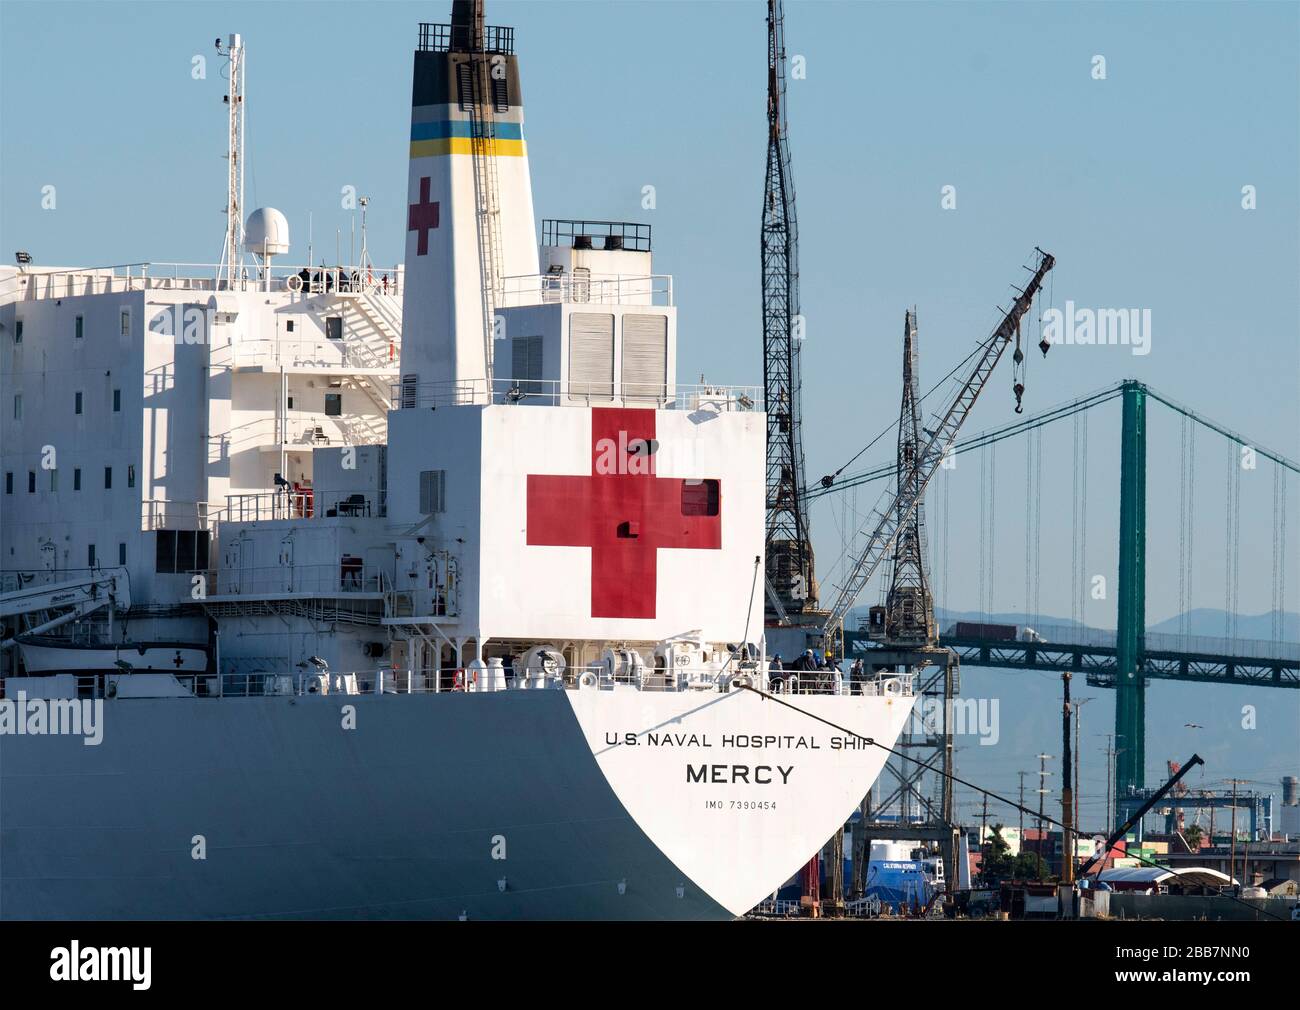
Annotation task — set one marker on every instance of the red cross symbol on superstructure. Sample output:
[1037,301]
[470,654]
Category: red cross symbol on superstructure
[422,217]
[623,512]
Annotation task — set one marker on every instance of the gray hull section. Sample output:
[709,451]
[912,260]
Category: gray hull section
[397,818]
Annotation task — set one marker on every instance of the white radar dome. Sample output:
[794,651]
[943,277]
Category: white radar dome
[267,232]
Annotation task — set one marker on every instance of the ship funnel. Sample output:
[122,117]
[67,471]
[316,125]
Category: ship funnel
[470,230]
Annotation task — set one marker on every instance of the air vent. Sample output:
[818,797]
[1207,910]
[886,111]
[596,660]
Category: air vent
[465,86]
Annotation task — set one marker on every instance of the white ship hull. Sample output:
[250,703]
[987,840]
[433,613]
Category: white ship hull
[505,805]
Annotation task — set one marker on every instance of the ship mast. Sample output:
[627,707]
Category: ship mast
[232,260]
[792,588]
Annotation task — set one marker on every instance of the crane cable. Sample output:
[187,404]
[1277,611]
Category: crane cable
[1043,816]
[828,480]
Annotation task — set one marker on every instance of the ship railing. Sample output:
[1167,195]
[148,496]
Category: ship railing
[321,354]
[305,503]
[36,284]
[441,38]
[586,288]
[552,392]
[165,514]
[345,577]
[88,686]
[778,908]
[237,680]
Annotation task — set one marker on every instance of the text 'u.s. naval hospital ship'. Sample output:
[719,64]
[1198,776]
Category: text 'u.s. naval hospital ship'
[413,592]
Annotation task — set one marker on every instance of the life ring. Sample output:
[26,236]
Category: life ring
[293,283]
[587,680]
[893,686]
[740,681]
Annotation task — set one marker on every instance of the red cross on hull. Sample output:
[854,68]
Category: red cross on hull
[623,512]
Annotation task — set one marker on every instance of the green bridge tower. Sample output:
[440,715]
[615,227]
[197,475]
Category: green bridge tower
[1130,685]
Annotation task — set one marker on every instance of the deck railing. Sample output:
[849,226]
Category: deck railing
[36,284]
[552,392]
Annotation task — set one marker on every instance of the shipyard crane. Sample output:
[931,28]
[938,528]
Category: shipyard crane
[889,521]
[791,583]
[907,617]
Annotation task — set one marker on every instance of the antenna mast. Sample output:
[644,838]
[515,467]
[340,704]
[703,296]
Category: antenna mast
[792,588]
[232,258]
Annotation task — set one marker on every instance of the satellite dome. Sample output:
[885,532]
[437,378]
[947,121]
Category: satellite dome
[267,232]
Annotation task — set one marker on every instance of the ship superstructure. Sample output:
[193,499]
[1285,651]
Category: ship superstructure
[497,654]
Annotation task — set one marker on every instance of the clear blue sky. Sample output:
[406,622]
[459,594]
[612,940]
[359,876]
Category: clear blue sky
[1134,182]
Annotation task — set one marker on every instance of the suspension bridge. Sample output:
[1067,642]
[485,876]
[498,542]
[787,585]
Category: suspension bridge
[1192,461]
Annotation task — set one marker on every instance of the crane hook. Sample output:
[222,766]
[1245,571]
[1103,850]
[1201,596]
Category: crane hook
[1019,390]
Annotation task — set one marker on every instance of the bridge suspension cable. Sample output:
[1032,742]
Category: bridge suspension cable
[977,441]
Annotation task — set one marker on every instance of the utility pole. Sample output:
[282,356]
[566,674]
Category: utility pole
[1110,776]
[1078,757]
[1067,788]
[1042,792]
[1021,841]
[984,822]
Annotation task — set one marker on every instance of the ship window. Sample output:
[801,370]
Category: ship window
[18,331]
[108,477]
[121,554]
[165,552]
[18,406]
[699,497]
[126,322]
[333,404]
[177,552]
[31,481]
[76,478]
[289,401]
[9,482]
[90,555]
[77,407]
[117,401]
[433,491]
[334,327]
[54,480]
[526,363]
[130,475]
[288,325]
[184,550]
[79,329]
